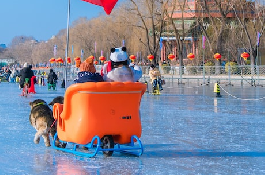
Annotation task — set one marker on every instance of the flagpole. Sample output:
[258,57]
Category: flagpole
[257,59]
[229,69]
[67,42]
[203,58]
[257,56]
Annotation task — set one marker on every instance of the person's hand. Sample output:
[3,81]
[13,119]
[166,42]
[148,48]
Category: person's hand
[132,65]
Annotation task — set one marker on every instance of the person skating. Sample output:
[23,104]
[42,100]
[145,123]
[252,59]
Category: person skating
[25,75]
[155,77]
[52,80]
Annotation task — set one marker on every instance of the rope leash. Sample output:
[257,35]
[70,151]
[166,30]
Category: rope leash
[248,81]
[52,125]
[254,99]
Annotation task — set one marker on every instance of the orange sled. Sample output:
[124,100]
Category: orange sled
[101,116]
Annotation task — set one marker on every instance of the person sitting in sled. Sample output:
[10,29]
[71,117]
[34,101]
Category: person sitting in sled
[155,77]
[118,68]
[88,72]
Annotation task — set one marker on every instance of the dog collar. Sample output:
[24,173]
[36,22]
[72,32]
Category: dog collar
[41,103]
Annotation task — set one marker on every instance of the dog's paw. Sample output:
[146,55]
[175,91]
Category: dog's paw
[84,148]
[61,145]
[47,144]
[37,141]
[57,143]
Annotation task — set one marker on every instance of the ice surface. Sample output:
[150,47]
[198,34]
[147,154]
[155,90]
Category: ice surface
[185,130]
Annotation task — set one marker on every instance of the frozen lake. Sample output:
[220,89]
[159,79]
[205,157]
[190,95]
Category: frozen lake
[185,130]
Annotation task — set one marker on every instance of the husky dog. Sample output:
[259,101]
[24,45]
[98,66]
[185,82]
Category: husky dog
[41,118]
[58,99]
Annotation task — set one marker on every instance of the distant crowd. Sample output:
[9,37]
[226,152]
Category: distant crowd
[118,69]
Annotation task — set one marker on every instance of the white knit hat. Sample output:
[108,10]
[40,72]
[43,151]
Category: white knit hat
[25,65]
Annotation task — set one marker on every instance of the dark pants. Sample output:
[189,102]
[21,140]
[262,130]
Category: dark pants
[155,81]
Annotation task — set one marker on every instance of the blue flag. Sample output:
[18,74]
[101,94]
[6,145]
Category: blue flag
[258,38]
[55,50]
[123,43]
[82,53]
[161,43]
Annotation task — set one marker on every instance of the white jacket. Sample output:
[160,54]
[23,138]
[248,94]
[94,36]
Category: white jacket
[125,74]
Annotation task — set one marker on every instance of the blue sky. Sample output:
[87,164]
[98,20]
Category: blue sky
[40,18]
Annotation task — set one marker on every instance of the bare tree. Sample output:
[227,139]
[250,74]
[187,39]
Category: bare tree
[179,32]
[150,14]
[42,52]
[250,25]
[141,24]
[218,21]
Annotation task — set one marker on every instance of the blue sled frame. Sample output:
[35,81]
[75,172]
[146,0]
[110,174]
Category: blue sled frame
[96,145]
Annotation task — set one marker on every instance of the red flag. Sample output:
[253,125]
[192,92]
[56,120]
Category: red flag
[108,5]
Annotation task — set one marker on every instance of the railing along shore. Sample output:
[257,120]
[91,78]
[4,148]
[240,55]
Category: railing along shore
[190,74]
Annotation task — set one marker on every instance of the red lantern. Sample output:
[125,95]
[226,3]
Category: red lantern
[102,58]
[95,62]
[132,57]
[171,57]
[245,55]
[68,60]
[190,56]
[77,61]
[59,60]
[217,56]
[52,60]
[150,57]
